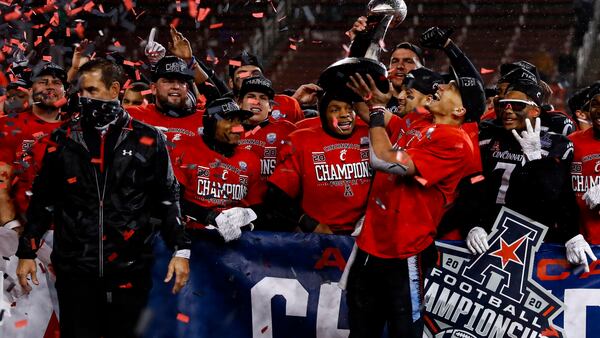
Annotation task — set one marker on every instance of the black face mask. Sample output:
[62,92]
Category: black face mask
[99,113]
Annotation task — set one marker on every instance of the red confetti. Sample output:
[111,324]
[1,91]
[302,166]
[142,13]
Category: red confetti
[137,75]
[12,15]
[175,23]
[51,149]
[88,7]
[178,3]
[292,46]
[112,257]
[68,31]
[129,63]
[147,141]
[258,15]
[126,286]
[183,318]
[235,63]
[117,44]
[421,180]
[37,41]
[252,132]
[79,29]
[215,25]
[127,234]
[33,245]
[54,21]
[96,160]
[21,323]
[72,180]
[101,9]
[202,14]
[146,92]
[47,58]
[127,84]
[237,129]
[47,32]
[128,4]
[486,71]
[477,178]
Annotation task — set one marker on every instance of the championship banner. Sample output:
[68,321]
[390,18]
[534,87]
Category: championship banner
[285,285]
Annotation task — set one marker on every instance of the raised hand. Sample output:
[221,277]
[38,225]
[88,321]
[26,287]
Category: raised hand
[154,51]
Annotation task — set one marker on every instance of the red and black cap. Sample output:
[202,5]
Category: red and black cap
[49,68]
[172,67]
[258,84]
[424,80]
[225,108]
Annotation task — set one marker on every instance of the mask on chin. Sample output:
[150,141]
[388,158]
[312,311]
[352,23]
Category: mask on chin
[100,113]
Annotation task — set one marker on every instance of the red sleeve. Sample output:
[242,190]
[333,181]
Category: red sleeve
[255,189]
[287,175]
[444,154]
[396,123]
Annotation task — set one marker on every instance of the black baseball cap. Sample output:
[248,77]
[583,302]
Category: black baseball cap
[518,74]
[522,64]
[424,80]
[529,88]
[245,58]
[258,84]
[472,94]
[172,67]
[49,68]
[579,99]
[416,49]
[224,108]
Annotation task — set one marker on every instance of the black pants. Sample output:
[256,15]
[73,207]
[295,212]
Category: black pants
[91,307]
[385,291]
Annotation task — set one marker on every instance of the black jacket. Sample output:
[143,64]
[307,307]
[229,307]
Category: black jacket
[105,213]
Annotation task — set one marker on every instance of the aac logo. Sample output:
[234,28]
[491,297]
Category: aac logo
[494,294]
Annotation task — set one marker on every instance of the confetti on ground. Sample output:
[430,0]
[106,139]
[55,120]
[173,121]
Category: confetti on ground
[21,323]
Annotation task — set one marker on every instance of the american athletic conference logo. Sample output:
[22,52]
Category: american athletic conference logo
[494,294]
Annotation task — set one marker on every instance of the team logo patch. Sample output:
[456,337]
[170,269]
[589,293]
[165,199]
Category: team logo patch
[494,294]
[576,168]
[271,138]
[243,165]
[276,114]
[203,172]
[318,157]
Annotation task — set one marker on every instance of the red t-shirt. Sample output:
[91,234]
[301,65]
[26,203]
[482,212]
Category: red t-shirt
[309,123]
[403,212]
[174,128]
[286,108]
[332,175]
[18,132]
[585,173]
[214,181]
[266,142]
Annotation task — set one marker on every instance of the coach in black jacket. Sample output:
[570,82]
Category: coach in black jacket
[107,185]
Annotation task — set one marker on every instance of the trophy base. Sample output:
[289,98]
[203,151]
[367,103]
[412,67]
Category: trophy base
[335,77]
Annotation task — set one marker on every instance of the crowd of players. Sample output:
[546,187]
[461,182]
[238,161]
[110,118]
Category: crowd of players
[432,158]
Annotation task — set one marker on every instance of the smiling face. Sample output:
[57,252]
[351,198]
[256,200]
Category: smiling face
[449,100]
[229,130]
[513,115]
[340,117]
[402,62]
[170,92]
[46,90]
[258,104]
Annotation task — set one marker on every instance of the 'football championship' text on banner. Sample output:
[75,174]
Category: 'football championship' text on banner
[284,285]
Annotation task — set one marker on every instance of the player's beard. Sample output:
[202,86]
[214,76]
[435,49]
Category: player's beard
[184,108]
[40,99]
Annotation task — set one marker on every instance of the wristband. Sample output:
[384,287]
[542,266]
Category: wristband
[183,253]
[12,224]
[377,118]
[191,64]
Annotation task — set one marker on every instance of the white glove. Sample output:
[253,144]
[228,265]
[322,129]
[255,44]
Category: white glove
[577,248]
[240,216]
[530,140]
[154,51]
[477,241]
[592,197]
[231,220]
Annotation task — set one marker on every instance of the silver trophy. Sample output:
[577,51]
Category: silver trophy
[366,48]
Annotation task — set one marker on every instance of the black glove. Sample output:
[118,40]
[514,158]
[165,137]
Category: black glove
[435,37]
